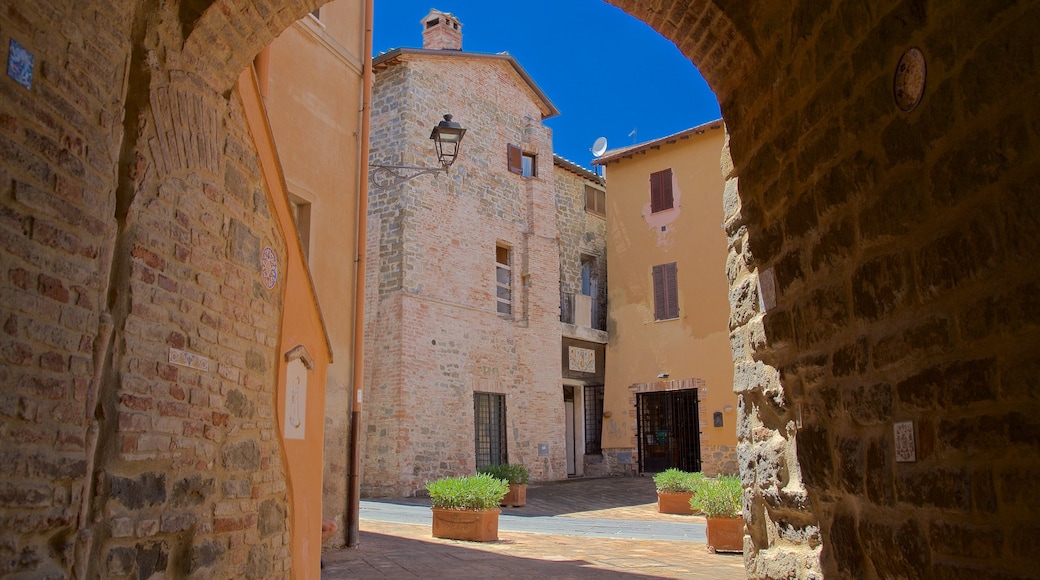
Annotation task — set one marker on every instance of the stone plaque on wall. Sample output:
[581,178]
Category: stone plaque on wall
[295,400]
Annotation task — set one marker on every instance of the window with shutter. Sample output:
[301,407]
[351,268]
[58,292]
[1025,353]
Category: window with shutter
[519,162]
[661,190]
[666,292]
[595,201]
[515,159]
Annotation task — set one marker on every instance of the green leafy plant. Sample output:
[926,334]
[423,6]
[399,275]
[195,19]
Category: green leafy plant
[511,472]
[718,497]
[673,480]
[477,492]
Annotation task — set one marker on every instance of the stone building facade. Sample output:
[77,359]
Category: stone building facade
[582,227]
[462,328]
[669,377]
[883,258]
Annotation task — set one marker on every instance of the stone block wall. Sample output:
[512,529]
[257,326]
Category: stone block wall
[433,336]
[878,264]
[581,232]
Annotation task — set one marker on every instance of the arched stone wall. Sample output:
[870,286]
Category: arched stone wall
[881,263]
[897,251]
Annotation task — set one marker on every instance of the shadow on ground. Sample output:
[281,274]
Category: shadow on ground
[386,556]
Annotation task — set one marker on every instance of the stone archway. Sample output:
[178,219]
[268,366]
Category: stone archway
[882,268]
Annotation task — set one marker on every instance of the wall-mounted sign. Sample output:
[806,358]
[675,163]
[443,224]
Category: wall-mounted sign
[269,267]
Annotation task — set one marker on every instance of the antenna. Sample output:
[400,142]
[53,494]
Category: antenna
[599,147]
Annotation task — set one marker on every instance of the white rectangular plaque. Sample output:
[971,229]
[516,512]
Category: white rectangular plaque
[906,447]
[295,399]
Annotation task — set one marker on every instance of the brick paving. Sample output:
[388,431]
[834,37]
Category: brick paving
[402,550]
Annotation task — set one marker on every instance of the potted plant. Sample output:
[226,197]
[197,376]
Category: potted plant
[517,476]
[719,499]
[674,490]
[466,508]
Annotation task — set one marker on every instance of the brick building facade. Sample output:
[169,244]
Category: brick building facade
[440,346]
[581,223]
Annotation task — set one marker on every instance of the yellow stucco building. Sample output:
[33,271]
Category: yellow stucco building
[312,81]
[668,397]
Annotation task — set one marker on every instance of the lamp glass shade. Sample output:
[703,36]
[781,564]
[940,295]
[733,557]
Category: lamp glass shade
[447,135]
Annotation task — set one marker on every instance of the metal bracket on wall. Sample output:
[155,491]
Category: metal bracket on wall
[385,177]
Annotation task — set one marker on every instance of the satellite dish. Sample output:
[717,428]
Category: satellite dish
[599,147]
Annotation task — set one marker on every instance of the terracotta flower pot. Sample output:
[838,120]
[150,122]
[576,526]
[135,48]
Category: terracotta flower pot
[677,502]
[517,496]
[470,525]
[725,534]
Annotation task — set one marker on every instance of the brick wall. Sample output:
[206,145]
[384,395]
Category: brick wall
[433,336]
[133,219]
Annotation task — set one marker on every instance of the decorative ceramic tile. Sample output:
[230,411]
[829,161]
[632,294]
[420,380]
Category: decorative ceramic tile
[909,81]
[189,359]
[20,64]
[269,268]
[581,359]
[906,448]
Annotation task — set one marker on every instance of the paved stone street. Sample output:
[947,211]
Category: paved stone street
[595,528]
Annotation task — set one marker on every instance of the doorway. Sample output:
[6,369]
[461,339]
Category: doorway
[669,431]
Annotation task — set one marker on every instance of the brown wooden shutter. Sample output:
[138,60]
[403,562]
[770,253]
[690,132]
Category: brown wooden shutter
[661,190]
[659,293]
[671,288]
[666,292]
[514,159]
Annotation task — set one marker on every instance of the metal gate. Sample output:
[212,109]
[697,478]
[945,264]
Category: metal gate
[669,431]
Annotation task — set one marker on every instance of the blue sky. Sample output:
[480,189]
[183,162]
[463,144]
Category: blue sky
[606,72]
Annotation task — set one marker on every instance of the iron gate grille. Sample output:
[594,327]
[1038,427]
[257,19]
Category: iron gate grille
[669,431]
[593,419]
[489,422]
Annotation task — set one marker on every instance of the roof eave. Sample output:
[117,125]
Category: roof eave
[549,110]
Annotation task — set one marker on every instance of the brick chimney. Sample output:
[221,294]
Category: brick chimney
[441,31]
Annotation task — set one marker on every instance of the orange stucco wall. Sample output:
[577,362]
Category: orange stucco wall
[696,345]
[313,100]
[301,326]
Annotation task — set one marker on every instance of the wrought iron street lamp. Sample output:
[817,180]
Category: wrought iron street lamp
[446,136]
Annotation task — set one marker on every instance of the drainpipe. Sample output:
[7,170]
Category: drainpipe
[354,456]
